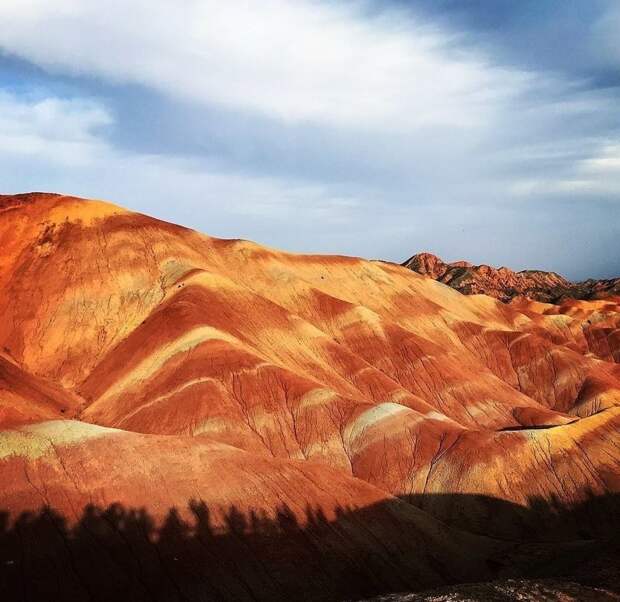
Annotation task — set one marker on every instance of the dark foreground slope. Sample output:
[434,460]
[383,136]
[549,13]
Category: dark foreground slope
[524,590]
[120,553]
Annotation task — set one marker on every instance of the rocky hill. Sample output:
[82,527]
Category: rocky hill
[189,418]
[505,284]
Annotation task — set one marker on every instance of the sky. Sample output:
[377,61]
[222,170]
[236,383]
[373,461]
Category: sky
[486,130]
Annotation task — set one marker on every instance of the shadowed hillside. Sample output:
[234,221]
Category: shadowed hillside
[114,552]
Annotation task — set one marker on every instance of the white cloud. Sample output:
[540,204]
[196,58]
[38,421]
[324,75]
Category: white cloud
[59,130]
[606,162]
[597,175]
[301,60]
[55,144]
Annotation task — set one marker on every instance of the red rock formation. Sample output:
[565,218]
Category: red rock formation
[148,365]
[26,398]
[504,284]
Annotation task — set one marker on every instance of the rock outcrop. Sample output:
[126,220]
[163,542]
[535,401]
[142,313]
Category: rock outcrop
[505,284]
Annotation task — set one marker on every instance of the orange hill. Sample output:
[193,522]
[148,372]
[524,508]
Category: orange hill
[146,365]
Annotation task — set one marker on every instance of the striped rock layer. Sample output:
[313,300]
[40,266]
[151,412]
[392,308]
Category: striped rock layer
[350,426]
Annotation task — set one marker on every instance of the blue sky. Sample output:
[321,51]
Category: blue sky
[487,130]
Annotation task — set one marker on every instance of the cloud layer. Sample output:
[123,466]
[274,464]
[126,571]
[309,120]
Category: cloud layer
[295,61]
[377,129]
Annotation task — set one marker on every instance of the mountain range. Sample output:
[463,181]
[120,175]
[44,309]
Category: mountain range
[184,417]
[505,284]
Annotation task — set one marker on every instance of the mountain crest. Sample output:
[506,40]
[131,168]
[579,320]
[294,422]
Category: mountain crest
[505,284]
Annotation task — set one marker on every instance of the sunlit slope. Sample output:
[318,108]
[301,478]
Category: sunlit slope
[363,365]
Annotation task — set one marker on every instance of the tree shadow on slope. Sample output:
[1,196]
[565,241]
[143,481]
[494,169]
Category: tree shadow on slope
[117,553]
[545,539]
[542,519]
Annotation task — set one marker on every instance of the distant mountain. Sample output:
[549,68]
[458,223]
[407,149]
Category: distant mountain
[505,284]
